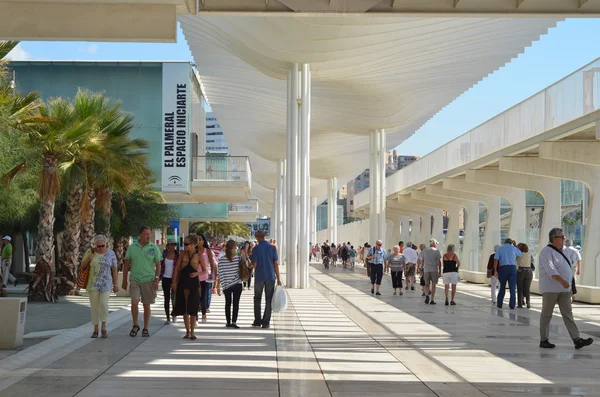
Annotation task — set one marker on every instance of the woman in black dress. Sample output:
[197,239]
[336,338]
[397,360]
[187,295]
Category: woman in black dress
[186,285]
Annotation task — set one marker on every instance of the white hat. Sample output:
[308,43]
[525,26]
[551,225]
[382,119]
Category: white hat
[6,238]
[433,241]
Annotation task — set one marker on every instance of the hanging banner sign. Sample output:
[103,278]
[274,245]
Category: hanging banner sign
[176,142]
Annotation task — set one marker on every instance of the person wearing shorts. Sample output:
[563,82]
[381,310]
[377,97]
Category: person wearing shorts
[432,268]
[450,275]
[143,259]
[411,257]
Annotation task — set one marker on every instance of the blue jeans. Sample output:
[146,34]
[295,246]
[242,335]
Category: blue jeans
[269,287]
[507,273]
[209,294]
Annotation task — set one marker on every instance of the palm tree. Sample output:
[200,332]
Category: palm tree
[16,110]
[66,142]
[119,167]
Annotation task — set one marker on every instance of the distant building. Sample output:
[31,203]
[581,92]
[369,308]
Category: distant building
[361,182]
[215,140]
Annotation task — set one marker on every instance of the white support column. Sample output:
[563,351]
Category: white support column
[292,176]
[470,253]
[283,214]
[438,224]
[274,213]
[304,143]
[382,185]
[588,174]
[492,229]
[452,233]
[395,234]
[549,188]
[516,197]
[332,210]
[415,230]
[313,220]
[373,188]
[404,230]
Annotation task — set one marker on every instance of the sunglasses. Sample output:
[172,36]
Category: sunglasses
[561,237]
[186,244]
[101,246]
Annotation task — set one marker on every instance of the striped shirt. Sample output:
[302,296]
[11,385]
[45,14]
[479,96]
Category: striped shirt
[397,262]
[552,263]
[229,271]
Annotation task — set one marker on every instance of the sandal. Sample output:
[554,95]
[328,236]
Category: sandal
[187,336]
[134,331]
[145,333]
[193,337]
[94,335]
[104,334]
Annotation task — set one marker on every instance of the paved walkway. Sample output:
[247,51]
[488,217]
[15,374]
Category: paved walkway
[335,339]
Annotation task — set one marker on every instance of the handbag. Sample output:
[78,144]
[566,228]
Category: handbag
[243,266]
[573,287]
[83,275]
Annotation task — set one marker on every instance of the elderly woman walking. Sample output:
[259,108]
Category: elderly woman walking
[397,263]
[102,263]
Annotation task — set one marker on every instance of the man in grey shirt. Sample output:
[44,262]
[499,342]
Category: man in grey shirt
[432,268]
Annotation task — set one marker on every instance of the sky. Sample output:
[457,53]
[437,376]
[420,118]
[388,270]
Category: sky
[566,48]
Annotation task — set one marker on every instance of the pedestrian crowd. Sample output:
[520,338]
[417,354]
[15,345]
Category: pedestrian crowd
[511,263]
[188,278]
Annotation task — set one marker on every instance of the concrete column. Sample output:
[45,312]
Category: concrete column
[588,174]
[305,210]
[283,214]
[415,230]
[405,228]
[373,188]
[452,234]
[516,197]
[492,228]
[313,220]
[549,188]
[292,179]
[438,225]
[395,230]
[470,254]
[382,185]
[332,210]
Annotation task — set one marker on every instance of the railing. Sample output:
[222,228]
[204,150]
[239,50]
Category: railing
[222,168]
[250,206]
[569,99]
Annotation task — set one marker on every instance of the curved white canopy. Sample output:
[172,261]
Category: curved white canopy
[368,72]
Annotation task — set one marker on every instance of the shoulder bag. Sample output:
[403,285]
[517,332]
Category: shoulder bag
[573,287]
[243,265]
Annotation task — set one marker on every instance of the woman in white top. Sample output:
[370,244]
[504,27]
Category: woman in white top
[229,279]
[167,265]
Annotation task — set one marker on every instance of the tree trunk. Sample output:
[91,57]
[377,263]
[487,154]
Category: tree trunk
[121,245]
[88,230]
[41,288]
[106,211]
[69,259]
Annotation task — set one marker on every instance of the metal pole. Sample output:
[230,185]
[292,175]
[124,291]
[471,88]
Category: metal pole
[292,174]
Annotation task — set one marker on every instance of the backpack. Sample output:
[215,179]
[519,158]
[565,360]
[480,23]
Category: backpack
[345,250]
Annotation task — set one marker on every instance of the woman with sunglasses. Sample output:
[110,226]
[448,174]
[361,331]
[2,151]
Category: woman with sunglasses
[190,266]
[167,266]
[102,280]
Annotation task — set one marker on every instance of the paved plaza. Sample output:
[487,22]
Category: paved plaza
[335,339]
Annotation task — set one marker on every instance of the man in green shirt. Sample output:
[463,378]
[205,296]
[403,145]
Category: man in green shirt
[143,259]
[7,263]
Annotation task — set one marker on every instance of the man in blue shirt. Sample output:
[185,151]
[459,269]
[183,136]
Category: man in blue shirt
[266,271]
[505,269]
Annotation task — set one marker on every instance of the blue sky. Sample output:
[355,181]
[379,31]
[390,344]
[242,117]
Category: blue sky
[566,48]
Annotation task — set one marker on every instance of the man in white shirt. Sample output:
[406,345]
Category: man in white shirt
[555,285]
[411,257]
